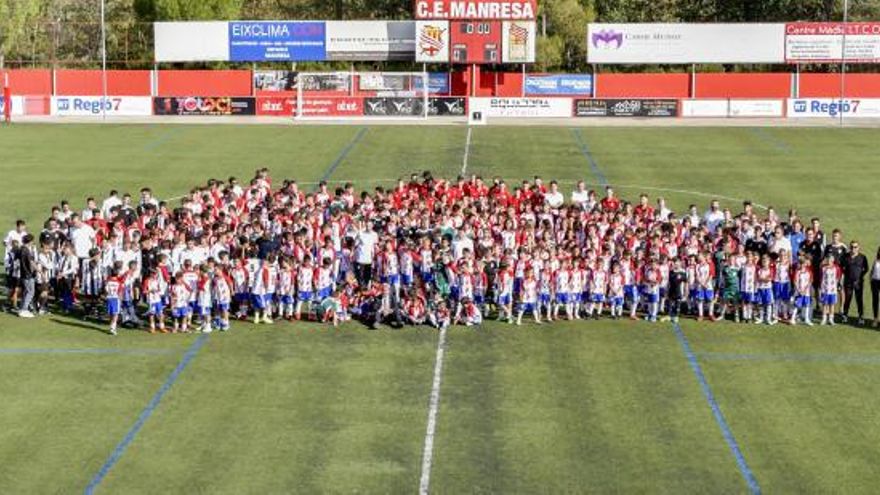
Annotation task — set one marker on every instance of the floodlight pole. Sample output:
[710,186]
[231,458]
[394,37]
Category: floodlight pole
[103,64]
[843,60]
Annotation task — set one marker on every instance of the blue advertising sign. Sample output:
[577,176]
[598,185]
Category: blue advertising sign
[277,41]
[438,83]
[559,84]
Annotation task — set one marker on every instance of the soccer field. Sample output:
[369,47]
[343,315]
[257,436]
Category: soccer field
[585,407]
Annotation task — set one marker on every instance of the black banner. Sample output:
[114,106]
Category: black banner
[447,107]
[626,108]
[202,105]
[393,107]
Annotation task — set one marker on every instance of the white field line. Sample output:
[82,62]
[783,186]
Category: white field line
[428,453]
[467,151]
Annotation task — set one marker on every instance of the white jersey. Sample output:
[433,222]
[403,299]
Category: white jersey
[748,281]
[530,291]
[599,282]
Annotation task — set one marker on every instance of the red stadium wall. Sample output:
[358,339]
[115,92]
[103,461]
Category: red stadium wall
[205,83]
[642,85]
[743,85]
[89,83]
[828,85]
[29,81]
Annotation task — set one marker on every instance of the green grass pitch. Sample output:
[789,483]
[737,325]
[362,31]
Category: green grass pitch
[592,407]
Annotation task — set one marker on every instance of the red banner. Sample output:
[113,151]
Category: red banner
[281,106]
[499,10]
[276,106]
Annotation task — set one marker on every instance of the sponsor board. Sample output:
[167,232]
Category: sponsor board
[757,108]
[17,106]
[275,80]
[66,106]
[191,41]
[685,43]
[822,42]
[447,107]
[333,107]
[273,41]
[705,108]
[371,40]
[523,107]
[202,105]
[518,42]
[393,107]
[276,106]
[432,41]
[626,108]
[501,10]
[828,107]
[559,84]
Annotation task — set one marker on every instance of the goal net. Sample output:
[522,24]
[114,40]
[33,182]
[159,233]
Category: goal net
[346,95]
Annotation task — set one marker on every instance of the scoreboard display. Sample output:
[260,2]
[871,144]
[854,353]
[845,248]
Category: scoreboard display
[475,42]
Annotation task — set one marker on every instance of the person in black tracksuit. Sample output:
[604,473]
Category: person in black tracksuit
[855,266]
[678,289]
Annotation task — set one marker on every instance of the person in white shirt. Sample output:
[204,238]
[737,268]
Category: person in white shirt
[581,197]
[15,235]
[111,202]
[461,243]
[779,242]
[663,211]
[714,216]
[553,197]
[82,236]
[365,250]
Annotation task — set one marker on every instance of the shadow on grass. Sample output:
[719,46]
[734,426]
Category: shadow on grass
[82,325]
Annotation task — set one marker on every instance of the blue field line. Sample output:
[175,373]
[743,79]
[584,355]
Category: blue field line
[162,139]
[145,415]
[770,139]
[791,357]
[582,144]
[747,474]
[133,352]
[342,155]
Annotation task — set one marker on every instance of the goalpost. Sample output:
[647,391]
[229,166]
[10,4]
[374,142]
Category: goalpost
[362,95]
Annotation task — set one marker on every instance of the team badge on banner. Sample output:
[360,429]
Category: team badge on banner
[432,41]
[519,42]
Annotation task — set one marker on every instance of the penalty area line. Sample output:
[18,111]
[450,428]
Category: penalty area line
[434,406]
[120,449]
[732,444]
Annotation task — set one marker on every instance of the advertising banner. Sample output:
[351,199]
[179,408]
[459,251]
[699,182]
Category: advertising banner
[377,81]
[518,42]
[85,106]
[275,41]
[501,10]
[626,108]
[393,107]
[757,108]
[438,83]
[524,107]
[276,106]
[822,42]
[432,41]
[275,80]
[191,41]
[202,105]
[685,43]
[447,107]
[339,82]
[705,108]
[559,85]
[371,40]
[828,107]
[333,107]
[17,106]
